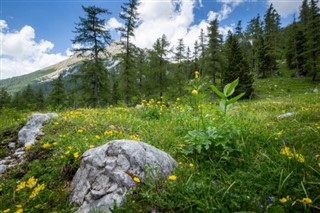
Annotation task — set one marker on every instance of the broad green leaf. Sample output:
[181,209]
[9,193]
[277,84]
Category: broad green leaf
[220,94]
[229,88]
[233,100]
[223,105]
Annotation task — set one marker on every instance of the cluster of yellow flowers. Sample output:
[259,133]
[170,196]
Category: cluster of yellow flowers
[31,183]
[134,137]
[287,152]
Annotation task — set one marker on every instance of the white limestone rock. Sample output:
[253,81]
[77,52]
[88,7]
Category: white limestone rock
[29,132]
[105,173]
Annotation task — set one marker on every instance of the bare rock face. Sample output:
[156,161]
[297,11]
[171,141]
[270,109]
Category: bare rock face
[106,172]
[29,132]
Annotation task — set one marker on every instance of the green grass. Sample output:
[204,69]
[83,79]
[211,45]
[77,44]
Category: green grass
[241,169]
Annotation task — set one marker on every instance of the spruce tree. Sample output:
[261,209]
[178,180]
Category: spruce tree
[254,32]
[92,36]
[314,38]
[5,98]
[271,35]
[129,15]
[237,67]
[57,96]
[180,72]
[214,47]
[202,47]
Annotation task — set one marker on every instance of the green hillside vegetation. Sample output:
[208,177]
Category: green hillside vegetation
[247,160]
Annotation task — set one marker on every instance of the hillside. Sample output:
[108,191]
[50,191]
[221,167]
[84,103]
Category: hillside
[252,159]
[44,77]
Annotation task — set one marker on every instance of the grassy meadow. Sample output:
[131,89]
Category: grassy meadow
[249,160]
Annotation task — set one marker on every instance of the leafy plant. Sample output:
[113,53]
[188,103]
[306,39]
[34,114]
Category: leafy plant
[228,90]
[199,140]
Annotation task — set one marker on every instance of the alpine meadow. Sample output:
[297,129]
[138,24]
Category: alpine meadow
[239,114]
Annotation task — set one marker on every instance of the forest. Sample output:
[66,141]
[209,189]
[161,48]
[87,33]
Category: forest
[166,69]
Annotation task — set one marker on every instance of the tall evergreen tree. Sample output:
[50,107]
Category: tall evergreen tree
[254,32]
[271,36]
[237,67]
[92,36]
[214,46]
[5,98]
[314,38]
[202,47]
[180,73]
[160,51]
[57,96]
[129,15]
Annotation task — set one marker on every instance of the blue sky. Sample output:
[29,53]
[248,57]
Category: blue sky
[38,33]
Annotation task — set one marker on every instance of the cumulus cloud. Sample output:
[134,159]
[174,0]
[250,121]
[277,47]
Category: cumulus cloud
[113,23]
[21,54]
[175,19]
[286,8]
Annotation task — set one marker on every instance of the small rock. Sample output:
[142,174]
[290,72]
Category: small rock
[3,169]
[29,132]
[12,145]
[286,115]
[138,106]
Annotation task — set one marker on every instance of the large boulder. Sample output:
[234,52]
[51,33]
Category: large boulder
[106,173]
[28,133]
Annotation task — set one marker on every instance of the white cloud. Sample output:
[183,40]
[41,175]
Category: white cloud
[288,7]
[113,23]
[21,54]
[222,14]
[3,24]
[174,18]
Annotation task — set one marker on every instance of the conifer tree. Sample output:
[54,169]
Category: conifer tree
[160,51]
[129,15]
[180,73]
[314,38]
[5,98]
[214,47]
[202,47]
[271,34]
[237,67]
[57,96]
[92,36]
[254,32]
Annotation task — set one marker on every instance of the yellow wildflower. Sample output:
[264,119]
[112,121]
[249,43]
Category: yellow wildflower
[31,182]
[46,145]
[172,177]
[134,137]
[178,99]
[180,163]
[194,92]
[191,164]
[6,211]
[21,185]
[56,123]
[299,158]
[196,74]
[36,191]
[55,143]
[279,133]
[98,137]
[136,179]
[28,147]
[76,155]
[67,152]
[286,152]
[306,200]
[62,156]
[19,206]
[91,146]
[19,211]
[80,130]
[283,200]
